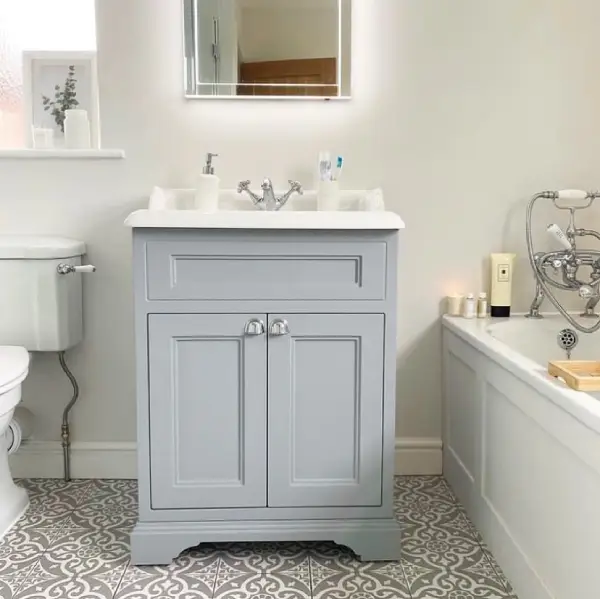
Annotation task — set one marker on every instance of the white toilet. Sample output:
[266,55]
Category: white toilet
[14,366]
[40,310]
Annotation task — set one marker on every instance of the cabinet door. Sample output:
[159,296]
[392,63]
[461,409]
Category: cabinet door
[325,409]
[207,411]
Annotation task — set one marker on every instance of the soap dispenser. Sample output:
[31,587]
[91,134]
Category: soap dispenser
[207,187]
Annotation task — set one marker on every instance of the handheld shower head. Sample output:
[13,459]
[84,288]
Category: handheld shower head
[557,233]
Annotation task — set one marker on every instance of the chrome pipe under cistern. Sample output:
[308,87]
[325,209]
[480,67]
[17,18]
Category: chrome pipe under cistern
[65,428]
[559,269]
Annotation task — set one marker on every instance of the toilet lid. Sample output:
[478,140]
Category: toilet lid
[14,365]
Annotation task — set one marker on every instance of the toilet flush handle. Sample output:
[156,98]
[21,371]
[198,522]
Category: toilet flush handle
[66,269]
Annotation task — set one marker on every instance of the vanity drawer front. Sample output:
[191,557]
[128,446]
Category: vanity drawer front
[277,270]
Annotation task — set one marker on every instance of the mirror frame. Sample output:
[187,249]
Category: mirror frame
[189,58]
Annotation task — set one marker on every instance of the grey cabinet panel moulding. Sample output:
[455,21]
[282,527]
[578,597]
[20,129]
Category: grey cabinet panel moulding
[325,410]
[225,270]
[207,411]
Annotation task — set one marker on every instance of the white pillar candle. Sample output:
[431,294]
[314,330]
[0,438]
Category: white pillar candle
[454,305]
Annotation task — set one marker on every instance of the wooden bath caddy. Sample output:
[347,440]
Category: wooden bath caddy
[581,375]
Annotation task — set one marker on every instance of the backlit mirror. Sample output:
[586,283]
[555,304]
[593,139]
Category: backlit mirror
[275,48]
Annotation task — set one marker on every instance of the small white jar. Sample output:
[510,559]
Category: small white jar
[77,130]
[482,305]
[43,138]
[470,306]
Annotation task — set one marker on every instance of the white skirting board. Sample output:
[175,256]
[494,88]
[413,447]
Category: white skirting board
[44,459]
[418,455]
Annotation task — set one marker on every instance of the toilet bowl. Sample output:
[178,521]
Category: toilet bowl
[14,367]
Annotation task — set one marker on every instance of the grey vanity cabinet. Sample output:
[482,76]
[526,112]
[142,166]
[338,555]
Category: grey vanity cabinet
[266,370]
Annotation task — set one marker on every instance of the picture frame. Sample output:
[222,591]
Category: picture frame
[41,72]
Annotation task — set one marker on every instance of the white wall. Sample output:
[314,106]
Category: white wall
[461,110]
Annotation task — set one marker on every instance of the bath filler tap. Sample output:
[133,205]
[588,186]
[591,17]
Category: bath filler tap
[560,269]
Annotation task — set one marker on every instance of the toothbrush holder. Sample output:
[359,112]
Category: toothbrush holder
[328,196]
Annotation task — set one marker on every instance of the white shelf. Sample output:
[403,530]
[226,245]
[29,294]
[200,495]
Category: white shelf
[29,154]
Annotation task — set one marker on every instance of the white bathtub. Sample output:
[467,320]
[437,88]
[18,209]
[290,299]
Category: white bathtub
[522,452]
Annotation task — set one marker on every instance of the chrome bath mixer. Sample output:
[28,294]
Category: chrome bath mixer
[560,269]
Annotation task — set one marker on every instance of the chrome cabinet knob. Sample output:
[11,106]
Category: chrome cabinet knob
[254,328]
[279,328]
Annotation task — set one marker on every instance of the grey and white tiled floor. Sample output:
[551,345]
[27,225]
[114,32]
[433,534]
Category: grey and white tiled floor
[73,543]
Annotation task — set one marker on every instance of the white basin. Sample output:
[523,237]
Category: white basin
[174,208]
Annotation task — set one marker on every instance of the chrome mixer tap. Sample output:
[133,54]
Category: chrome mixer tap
[269,201]
[561,269]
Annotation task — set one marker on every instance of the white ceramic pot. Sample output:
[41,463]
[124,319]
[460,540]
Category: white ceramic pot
[77,130]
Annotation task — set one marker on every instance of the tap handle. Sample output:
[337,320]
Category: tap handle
[243,186]
[296,186]
[209,169]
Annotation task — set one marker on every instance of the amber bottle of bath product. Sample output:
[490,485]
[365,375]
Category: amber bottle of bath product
[502,266]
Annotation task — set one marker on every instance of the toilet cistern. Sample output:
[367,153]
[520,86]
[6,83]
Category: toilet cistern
[41,307]
[269,201]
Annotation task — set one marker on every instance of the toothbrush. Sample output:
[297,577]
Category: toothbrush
[338,168]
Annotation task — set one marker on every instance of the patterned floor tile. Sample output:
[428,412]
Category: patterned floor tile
[191,576]
[432,574]
[421,494]
[264,557]
[21,549]
[341,576]
[9,585]
[263,586]
[269,570]
[53,490]
[79,564]
[330,549]
[50,501]
[85,553]
[74,543]
[118,493]
[43,585]
[98,516]
[439,533]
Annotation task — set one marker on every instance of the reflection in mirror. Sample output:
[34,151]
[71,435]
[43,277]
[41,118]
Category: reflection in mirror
[284,48]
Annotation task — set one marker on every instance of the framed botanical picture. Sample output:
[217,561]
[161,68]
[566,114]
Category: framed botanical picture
[54,82]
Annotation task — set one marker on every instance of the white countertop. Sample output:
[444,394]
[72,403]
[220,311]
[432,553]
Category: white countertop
[255,219]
